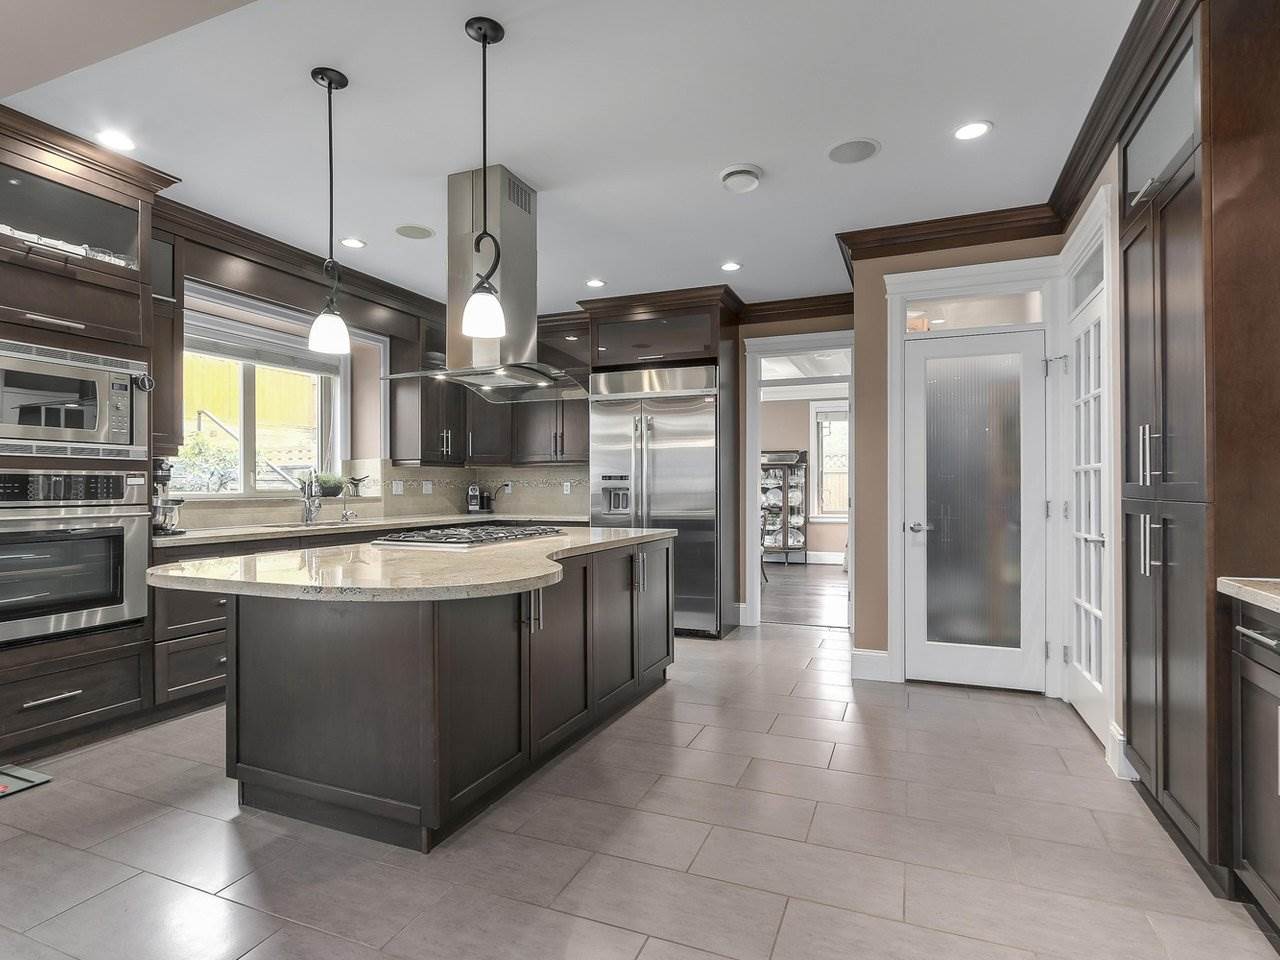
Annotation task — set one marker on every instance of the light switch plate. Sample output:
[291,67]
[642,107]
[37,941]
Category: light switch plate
[427,486]
[397,488]
[568,488]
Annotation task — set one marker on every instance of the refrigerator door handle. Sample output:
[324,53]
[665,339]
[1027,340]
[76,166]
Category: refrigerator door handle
[646,512]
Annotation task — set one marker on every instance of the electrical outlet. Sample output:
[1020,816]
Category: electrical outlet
[427,486]
[506,487]
[397,488]
[568,488]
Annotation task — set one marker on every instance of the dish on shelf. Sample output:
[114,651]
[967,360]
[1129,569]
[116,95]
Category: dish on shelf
[795,496]
[774,496]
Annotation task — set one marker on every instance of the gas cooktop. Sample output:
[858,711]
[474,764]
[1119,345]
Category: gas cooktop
[463,538]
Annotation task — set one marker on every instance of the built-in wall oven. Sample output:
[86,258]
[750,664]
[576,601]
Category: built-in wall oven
[73,550]
[64,403]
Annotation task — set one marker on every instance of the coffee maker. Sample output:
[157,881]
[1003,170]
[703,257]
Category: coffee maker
[164,508]
[478,501]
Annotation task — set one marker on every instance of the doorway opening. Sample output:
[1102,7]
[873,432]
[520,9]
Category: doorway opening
[798,480]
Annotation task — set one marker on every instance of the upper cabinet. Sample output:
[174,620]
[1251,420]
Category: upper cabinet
[167,342]
[1165,130]
[660,329]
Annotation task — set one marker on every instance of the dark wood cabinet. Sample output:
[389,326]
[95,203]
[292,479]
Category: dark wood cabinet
[1255,695]
[190,665]
[444,422]
[655,340]
[185,613]
[1168,620]
[167,341]
[560,691]
[65,300]
[551,431]
[428,416]
[615,583]
[1139,343]
[655,610]
[488,437]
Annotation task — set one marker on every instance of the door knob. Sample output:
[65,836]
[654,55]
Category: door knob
[919,527]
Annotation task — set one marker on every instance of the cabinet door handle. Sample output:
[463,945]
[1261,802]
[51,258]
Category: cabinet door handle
[56,698]
[50,248]
[539,609]
[443,444]
[221,661]
[56,321]
[635,572]
[1144,192]
[652,356]
[644,573]
[1144,544]
[222,602]
[1260,637]
[468,443]
[1158,525]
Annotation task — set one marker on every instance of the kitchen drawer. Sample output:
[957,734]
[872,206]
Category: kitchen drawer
[185,613]
[1257,634]
[67,303]
[50,701]
[191,665]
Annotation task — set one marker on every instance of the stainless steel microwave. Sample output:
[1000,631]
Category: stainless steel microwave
[63,403]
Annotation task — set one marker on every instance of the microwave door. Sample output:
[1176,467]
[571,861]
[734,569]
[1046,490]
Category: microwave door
[43,402]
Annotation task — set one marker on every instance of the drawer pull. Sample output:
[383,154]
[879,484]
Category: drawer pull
[1259,637]
[56,321]
[222,602]
[1145,192]
[221,661]
[56,698]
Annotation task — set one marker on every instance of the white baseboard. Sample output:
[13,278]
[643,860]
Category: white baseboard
[874,665]
[1116,759]
[740,609]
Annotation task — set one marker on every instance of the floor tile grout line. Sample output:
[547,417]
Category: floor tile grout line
[136,873]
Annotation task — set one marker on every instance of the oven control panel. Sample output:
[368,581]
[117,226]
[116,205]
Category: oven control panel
[70,487]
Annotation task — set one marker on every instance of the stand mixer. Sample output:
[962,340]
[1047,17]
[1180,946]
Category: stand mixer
[164,508]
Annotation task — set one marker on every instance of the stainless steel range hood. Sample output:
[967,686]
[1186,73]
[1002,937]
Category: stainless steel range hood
[503,370]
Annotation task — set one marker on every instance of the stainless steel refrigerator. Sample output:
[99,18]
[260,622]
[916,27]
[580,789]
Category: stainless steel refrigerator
[656,461]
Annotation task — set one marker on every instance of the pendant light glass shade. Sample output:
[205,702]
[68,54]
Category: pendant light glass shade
[482,317]
[329,333]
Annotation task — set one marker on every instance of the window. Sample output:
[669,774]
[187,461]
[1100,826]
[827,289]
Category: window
[829,456]
[970,312]
[258,409]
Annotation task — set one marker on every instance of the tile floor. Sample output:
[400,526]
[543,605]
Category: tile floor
[811,593]
[757,807]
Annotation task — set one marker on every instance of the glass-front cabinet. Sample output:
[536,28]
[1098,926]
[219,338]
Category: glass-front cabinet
[50,220]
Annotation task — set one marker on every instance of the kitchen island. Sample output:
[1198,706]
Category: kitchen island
[391,691]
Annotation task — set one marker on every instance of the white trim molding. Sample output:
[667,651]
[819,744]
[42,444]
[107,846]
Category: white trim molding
[757,348]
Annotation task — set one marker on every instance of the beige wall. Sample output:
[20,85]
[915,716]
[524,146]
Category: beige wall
[784,425]
[781,328]
[871,412]
[366,401]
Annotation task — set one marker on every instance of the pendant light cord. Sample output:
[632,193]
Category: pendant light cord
[331,268]
[483,281]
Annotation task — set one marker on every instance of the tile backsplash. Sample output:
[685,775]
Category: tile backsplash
[401,491]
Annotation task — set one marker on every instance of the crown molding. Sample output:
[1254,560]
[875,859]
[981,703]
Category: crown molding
[797,308]
[643,304]
[993,226]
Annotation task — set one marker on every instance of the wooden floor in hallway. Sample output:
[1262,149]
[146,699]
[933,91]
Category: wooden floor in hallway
[813,594]
[758,806]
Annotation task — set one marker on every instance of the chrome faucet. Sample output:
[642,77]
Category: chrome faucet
[311,502]
[348,484]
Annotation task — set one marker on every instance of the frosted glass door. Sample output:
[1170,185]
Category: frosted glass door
[975,509]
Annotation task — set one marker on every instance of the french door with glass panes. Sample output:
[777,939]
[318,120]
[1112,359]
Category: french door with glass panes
[975,509]
[1087,662]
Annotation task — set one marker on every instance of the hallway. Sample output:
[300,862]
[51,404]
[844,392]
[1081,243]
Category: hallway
[759,806]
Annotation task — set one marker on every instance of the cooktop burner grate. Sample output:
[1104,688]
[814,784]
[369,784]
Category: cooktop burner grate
[462,538]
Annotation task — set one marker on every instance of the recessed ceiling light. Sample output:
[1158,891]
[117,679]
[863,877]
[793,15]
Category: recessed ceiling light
[595,282]
[115,139]
[414,231]
[974,130]
[854,151]
[729,266]
[740,177]
[570,337]
[355,243]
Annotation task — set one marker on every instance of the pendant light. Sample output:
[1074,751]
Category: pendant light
[328,329]
[482,317]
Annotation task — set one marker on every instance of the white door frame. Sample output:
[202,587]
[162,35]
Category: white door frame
[1041,274]
[758,348]
[1022,667]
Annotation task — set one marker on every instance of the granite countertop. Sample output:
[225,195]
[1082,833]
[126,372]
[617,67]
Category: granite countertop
[279,531]
[1261,592]
[363,572]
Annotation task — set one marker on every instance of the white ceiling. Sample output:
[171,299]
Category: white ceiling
[58,37]
[621,114]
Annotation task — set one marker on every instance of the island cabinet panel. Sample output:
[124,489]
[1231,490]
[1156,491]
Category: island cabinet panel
[656,611]
[560,657]
[300,727]
[483,684]
[1256,696]
[615,583]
